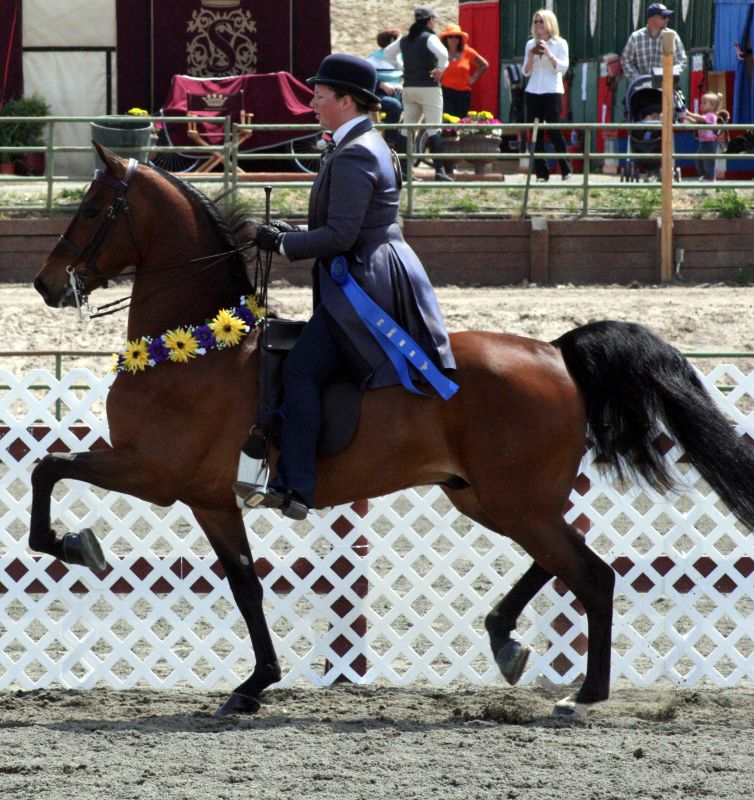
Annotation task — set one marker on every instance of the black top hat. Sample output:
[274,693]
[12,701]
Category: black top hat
[355,75]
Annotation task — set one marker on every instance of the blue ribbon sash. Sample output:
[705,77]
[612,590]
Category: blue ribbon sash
[400,348]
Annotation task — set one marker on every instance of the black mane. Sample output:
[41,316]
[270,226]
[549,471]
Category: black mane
[225,229]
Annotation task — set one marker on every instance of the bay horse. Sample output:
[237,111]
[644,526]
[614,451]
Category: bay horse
[505,449]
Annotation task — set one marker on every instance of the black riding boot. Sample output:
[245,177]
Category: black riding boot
[434,143]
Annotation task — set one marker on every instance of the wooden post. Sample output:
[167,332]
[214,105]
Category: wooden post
[666,239]
[539,252]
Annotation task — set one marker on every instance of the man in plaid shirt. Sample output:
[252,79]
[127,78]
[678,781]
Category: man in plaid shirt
[643,49]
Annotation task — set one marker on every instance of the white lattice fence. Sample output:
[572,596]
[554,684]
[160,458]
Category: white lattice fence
[396,589]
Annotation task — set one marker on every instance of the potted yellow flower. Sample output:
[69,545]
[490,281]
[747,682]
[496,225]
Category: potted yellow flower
[123,134]
[465,135]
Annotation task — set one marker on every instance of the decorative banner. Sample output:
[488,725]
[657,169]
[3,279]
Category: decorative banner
[11,74]
[214,38]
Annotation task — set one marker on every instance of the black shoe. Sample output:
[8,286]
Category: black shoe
[566,176]
[286,501]
[543,178]
[443,176]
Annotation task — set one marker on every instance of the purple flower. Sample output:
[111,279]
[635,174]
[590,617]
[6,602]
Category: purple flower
[246,314]
[157,350]
[204,336]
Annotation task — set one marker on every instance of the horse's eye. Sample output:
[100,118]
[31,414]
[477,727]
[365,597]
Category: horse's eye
[90,212]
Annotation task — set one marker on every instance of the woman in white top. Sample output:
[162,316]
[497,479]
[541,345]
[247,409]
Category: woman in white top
[545,62]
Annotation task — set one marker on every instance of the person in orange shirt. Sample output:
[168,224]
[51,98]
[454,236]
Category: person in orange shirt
[463,70]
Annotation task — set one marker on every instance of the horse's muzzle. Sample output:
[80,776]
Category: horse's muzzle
[56,300]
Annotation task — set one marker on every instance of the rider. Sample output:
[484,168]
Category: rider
[353,212]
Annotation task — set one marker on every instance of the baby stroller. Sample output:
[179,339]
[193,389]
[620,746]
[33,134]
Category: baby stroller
[643,103]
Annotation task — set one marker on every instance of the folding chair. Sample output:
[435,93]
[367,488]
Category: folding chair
[209,132]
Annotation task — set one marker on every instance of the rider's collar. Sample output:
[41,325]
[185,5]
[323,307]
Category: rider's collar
[340,134]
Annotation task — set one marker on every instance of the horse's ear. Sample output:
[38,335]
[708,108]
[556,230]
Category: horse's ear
[108,157]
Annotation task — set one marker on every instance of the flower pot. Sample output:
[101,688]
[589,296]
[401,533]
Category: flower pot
[121,135]
[480,143]
[31,164]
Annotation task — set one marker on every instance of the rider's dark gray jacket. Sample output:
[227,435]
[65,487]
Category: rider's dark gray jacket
[353,210]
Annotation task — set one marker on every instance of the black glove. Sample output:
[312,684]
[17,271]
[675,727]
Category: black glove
[268,237]
[283,226]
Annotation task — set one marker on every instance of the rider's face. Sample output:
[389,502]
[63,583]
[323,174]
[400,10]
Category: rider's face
[327,106]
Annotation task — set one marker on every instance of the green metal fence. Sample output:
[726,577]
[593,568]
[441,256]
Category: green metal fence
[230,178]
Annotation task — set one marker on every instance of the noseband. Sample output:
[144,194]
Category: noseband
[89,253]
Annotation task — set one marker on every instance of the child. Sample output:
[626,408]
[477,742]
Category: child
[711,113]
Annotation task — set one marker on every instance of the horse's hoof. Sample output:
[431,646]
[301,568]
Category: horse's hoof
[570,708]
[84,549]
[511,660]
[238,704]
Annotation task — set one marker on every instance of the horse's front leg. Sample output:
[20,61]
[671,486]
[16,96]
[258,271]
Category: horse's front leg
[227,535]
[108,469]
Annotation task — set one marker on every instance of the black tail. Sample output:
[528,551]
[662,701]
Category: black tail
[631,381]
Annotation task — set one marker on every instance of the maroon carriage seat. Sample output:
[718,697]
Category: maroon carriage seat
[271,98]
[208,106]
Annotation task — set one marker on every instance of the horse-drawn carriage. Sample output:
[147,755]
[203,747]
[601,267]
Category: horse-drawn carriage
[267,98]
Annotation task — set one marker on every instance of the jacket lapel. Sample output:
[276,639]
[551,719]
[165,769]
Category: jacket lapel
[322,181]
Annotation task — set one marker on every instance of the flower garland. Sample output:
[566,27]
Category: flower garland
[180,345]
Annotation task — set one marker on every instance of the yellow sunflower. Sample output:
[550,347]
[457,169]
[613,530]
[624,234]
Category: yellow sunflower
[182,345]
[257,310]
[228,328]
[135,356]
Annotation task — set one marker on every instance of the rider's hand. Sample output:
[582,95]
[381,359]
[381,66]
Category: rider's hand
[268,237]
[283,226]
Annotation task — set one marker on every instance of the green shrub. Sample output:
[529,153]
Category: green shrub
[22,134]
[726,203]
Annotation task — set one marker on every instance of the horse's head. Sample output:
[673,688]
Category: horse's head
[101,241]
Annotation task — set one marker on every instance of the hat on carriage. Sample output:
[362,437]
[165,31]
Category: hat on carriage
[354,75]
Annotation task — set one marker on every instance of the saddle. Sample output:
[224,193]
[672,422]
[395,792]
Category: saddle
[341,397]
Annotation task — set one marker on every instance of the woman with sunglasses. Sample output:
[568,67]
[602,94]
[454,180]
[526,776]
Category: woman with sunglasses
[545,62]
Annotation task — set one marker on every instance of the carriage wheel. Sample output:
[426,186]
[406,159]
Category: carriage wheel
[307,153]
[421,150]
[173,162]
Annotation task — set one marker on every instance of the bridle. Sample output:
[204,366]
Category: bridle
[90,252]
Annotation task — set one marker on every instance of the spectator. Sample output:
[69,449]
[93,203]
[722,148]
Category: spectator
[424,61]
[712,113]
[464,69]
[643,50]
[389,80]
[545,62]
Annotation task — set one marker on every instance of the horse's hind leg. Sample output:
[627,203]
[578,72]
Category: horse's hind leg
[510,655]
[560,550]
[226,533]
